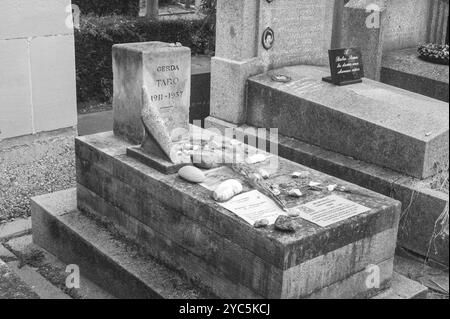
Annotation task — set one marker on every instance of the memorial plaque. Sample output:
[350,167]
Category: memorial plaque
[346,66]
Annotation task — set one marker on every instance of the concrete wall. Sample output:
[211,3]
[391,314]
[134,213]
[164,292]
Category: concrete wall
[37,67]
[407,23]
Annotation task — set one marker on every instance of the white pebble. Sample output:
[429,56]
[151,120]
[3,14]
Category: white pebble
[300,174]
[192,174]
[331,188]
[276,191]
[314,184]
[227,190]
[257,158]
[265,174]
[295,193]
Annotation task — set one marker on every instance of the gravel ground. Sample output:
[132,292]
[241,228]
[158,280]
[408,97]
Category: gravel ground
[42,167]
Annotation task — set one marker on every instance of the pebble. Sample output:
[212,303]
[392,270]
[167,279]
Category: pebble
[206,160]
[276,191]
[300,174]
[257,158]
[331,188]
[263,223]
[314,184]
[264,174]
[295,193]
[227,190]
[294,212]
[285,224]
[192,174]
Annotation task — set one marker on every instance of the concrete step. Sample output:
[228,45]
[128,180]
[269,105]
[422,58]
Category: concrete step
[12,286]
[104,257]
[370,121]
[46,273]
[117,265]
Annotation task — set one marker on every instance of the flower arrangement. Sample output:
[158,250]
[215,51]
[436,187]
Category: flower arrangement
[434,53]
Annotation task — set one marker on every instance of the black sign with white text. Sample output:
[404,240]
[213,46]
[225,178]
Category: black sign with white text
[346,66]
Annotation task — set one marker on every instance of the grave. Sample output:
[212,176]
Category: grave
[371,134]
[179,223]
[404,69]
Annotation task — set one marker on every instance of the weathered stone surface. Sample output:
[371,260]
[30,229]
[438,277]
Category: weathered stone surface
[437,31]
[165,70]
[405,70]
[115,265]
[15,90]
[404,288]
[303,32]
[23,19]
[355,32]
[136,197]
[370,121]
[422,206]
[16,228]
[54,100]
[407,23]
[128,274]
[37,63]
[12,287]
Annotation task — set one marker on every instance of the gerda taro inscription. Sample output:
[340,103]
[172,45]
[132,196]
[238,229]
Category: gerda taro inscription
[152,87]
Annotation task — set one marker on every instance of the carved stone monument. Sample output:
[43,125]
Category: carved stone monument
[152,85]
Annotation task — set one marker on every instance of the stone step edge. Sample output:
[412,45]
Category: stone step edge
[113,263]
[76,228]
[13,287]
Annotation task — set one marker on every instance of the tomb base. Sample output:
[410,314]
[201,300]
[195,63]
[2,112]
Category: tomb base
[115,263]
[180,225]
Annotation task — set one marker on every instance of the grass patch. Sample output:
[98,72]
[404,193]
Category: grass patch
[440,181]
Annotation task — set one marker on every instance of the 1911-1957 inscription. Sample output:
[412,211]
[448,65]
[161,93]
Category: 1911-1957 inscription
[168,80]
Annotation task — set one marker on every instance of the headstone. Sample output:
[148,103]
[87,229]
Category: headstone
[363,25]
[152,83]
[254,36]
[149,8]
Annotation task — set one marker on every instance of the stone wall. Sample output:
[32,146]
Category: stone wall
[401,24]
[37,67]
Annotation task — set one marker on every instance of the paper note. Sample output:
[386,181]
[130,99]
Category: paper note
[254,206]
[330,210]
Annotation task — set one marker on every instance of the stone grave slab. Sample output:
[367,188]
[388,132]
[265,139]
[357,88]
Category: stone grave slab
[371,121]
[181,225]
